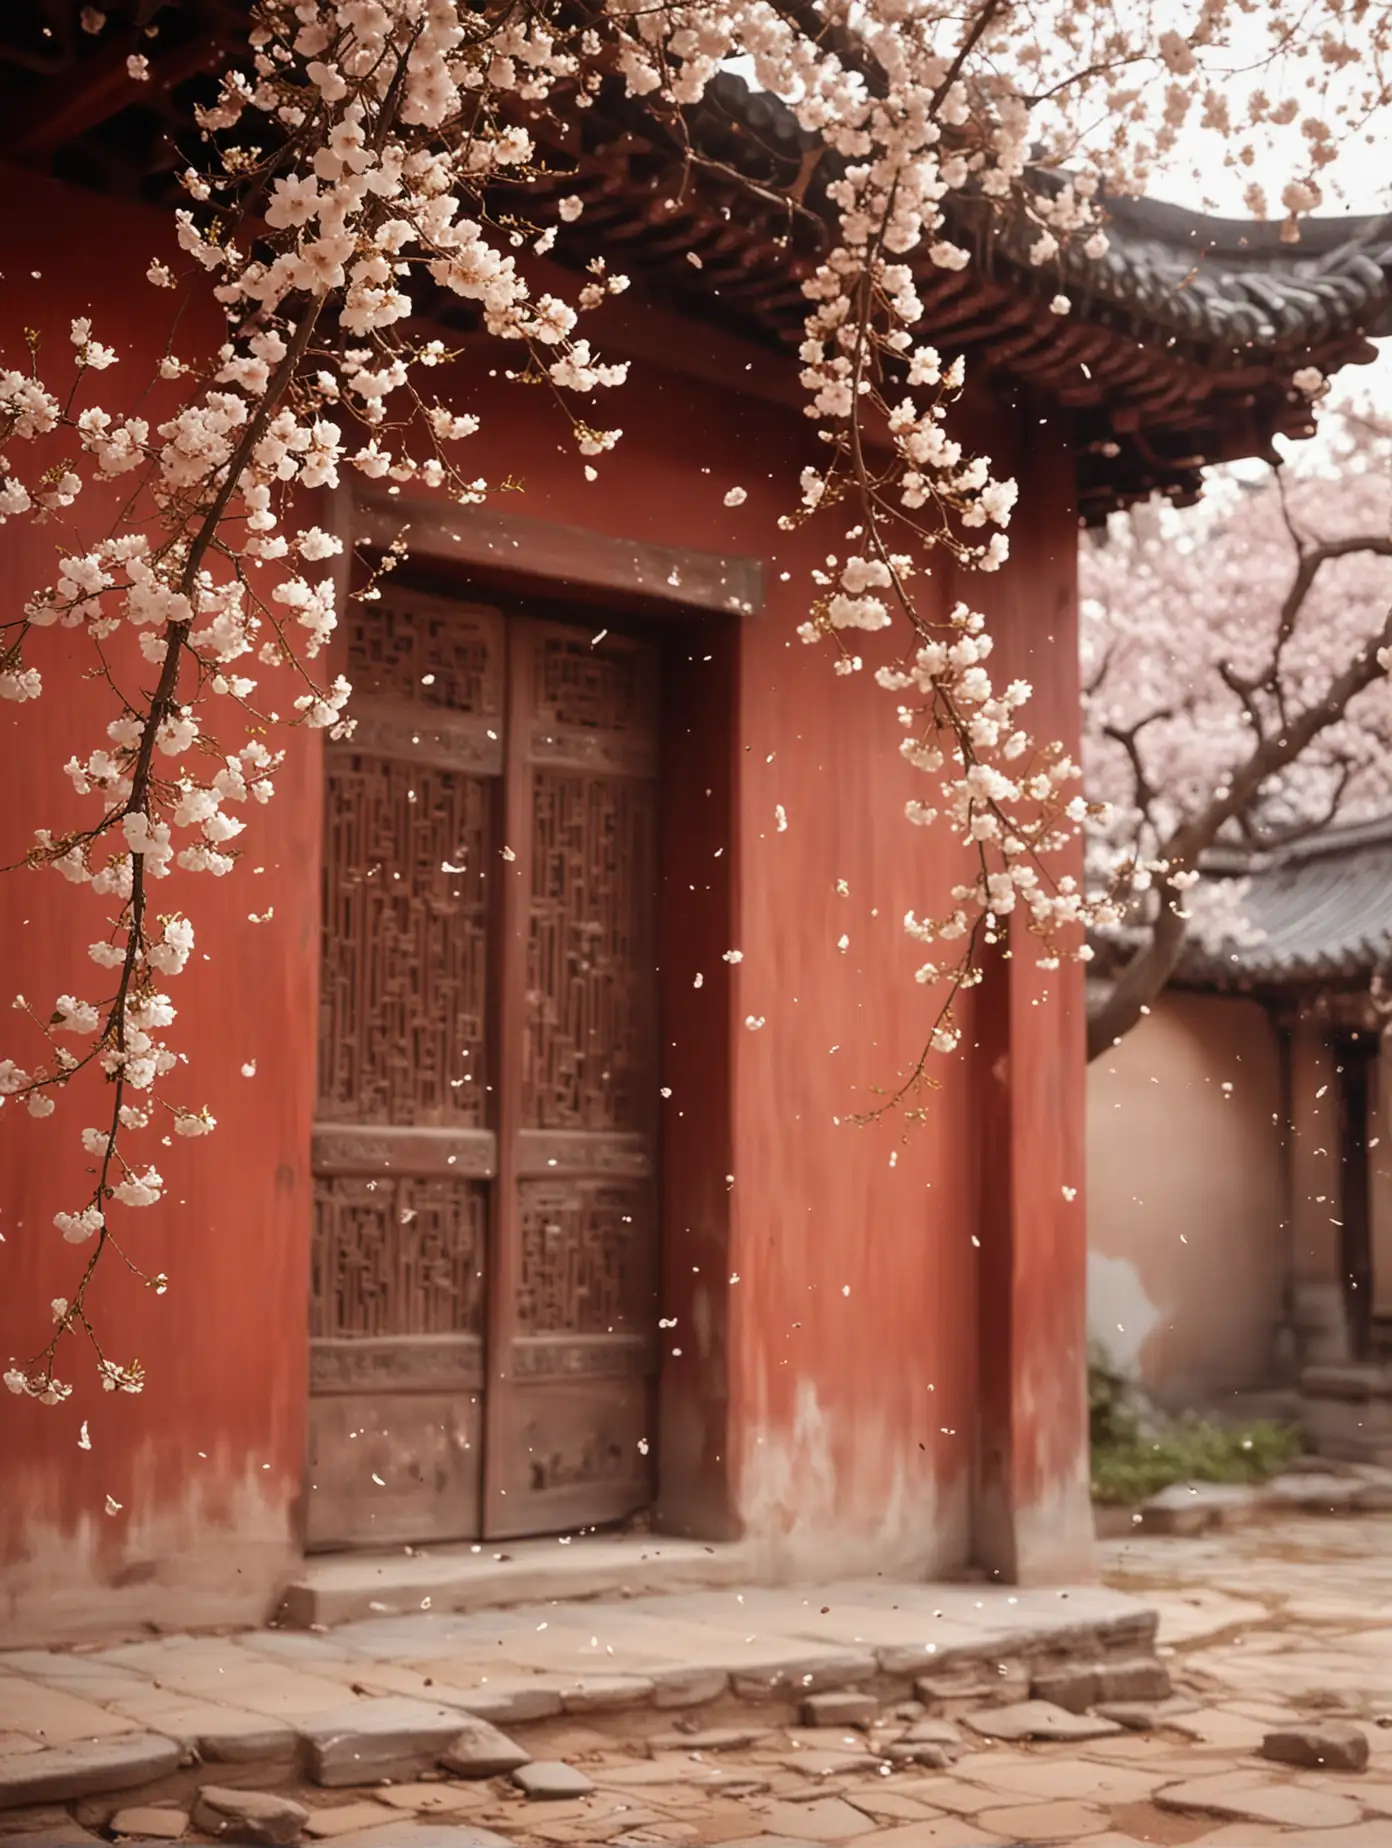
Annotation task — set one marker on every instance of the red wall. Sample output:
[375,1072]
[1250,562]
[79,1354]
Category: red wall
[906,1396]
[856,1355]
[834,1429]
[1034,1513]
[820,1386]
[206,1464]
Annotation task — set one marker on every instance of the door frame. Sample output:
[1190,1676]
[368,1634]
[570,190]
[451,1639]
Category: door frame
[456,553]
[1354,1056]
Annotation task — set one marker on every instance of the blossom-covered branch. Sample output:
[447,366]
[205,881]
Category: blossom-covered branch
[367,153]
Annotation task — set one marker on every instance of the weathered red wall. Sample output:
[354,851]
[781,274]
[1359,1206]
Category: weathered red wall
[871,1327]
[820,1384]
[855,1352]
[207,1463]
[1033,1519]
[902,1397]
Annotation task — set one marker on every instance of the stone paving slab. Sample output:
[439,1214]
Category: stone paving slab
[975,1620]
[89,1677]
[370,1739]
[1188,1508]
[430,1632]
[221,1735]
[1188,1616]
[941,1832]
[66,1771]
[1041,1822]
[346,1819]
[422,1835]
[1053,1778]
[688,1686]
[1245,1835]
[1257,1799]
[503,1700]
[150,1821]
[218,1669]
[53,1717]
[65,1835]
[381,1696]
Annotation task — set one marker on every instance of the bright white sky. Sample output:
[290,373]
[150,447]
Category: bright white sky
[1361,387]
[1360,181]
[1364,179]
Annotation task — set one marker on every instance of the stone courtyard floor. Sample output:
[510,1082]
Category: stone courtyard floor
[678,1719]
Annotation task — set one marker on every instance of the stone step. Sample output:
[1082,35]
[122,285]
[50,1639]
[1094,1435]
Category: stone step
[1188,1508]
[341,1588]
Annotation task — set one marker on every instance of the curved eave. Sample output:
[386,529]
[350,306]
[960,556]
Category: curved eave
[1326,919]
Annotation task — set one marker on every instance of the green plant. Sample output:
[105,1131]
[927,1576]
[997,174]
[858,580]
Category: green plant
[1130,1464]
[1111,1419]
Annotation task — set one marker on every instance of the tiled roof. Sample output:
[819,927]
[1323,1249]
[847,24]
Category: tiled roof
[1235,285]
[1227,282]
[1325,911]
[1181,342]
[1179,349]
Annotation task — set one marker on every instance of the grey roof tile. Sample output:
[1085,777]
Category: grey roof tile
[1324,908]
[1221,282]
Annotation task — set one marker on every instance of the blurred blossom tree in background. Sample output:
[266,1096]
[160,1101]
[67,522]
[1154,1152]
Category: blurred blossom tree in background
[1234,671]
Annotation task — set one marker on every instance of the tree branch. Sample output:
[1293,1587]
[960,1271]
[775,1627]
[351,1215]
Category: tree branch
[1302,831]
[1312,558]
[1156,960]
[1128,737]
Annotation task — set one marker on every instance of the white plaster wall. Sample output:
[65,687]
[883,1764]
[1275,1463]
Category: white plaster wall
[1187,1255]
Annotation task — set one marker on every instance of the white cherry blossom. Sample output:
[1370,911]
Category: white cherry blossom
[372,140]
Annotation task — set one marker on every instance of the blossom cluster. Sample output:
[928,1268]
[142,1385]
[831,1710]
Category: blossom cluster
[386,139]
[363,156]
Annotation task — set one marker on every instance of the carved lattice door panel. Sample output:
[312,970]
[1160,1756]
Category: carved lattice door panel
[485,1242]
[573,1321]
[404,1149]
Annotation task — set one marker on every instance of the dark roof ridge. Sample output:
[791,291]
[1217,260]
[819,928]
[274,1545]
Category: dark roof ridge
[1244,239]
[1238,240]
[1230,861]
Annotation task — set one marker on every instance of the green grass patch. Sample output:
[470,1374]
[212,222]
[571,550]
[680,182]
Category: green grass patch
[1130,1464]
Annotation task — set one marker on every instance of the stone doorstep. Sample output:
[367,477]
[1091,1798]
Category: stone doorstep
[335,1590]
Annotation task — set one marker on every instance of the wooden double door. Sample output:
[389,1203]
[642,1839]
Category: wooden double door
[483,1334]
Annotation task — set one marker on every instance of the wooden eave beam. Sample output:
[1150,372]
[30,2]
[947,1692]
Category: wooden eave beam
[65,108]
[569,557]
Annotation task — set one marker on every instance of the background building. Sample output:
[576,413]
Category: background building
[1239,1156]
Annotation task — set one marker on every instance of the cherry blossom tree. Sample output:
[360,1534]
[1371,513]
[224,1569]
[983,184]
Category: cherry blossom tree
[1235,664]
[366,151]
